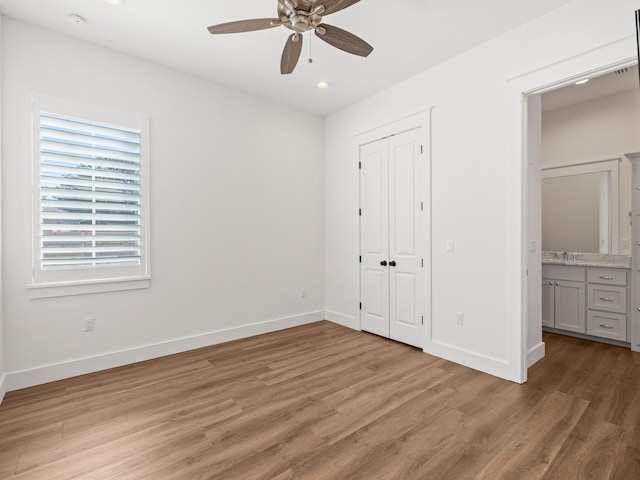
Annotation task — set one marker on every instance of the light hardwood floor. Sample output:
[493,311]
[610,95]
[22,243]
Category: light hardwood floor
[325,402]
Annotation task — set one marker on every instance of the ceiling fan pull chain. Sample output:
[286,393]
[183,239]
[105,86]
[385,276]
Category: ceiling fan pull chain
[310,40]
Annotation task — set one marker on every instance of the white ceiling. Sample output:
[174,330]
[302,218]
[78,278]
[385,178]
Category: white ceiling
[408,36]
[619,81]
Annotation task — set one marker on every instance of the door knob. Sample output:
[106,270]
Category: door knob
[383,263]
[392,263]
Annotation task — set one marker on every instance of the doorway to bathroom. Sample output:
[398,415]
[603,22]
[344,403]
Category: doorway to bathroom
[573,127]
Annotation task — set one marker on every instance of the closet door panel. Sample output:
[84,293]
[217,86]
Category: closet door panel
[374,237]
[404,300]
[404,197]
[404,237]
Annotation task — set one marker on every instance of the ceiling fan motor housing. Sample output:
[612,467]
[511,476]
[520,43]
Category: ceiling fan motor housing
[298,20]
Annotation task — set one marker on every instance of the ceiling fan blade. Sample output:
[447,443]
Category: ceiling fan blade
[291,53]
[344,40]
[245,25]
[333,6]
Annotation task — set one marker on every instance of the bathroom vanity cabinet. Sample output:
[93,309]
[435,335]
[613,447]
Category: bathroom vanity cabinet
[563,298]
[586,300]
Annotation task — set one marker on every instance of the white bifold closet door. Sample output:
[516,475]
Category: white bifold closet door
[390,230]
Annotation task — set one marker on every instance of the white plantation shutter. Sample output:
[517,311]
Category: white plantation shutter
[90,194]
[90,208]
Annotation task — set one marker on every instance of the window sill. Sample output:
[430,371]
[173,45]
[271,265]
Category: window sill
[64,289]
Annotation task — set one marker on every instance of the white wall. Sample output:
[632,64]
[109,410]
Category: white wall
[3,385]
[236,212]
[601,129]
[477,193]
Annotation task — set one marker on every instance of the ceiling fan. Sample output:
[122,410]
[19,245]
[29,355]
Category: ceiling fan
[302,16]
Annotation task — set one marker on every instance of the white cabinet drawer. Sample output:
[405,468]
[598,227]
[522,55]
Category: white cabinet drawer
[608,298]
[607,277]
[607,325]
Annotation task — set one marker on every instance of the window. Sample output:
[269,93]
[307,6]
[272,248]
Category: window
[90,206]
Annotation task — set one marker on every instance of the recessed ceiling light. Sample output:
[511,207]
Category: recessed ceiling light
[322,85]
[582,82]
[77,19]
[113,2]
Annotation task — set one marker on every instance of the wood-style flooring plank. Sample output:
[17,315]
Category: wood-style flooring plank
[598,444]
[325,402]
[528,452]
[362,404]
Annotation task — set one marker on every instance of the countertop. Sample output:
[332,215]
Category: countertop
[587,260]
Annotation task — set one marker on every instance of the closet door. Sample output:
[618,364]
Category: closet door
[374,237]
[390,227]
[405,211]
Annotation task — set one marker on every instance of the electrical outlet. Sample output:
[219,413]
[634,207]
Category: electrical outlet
[459,318]
[89,324]
[625,243]
[303,293]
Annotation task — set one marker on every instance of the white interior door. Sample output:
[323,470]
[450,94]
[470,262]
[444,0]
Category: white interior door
[374,237]
[405,210]
[390,237]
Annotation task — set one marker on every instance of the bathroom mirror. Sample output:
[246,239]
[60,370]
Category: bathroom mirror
[580,208]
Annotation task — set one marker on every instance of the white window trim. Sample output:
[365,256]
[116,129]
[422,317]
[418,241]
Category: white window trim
[111,278]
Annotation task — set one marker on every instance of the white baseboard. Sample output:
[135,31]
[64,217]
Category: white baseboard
[493,366]
[3,388]
[82,366]
[535,354]
[340,319]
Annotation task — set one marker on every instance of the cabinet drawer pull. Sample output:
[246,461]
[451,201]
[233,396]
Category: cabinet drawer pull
[604,325]
[606,277]
[606,299]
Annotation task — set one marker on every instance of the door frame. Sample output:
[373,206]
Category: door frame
[422,120]
[606,59]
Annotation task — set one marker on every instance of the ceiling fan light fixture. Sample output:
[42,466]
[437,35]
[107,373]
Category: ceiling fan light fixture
[300,23]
